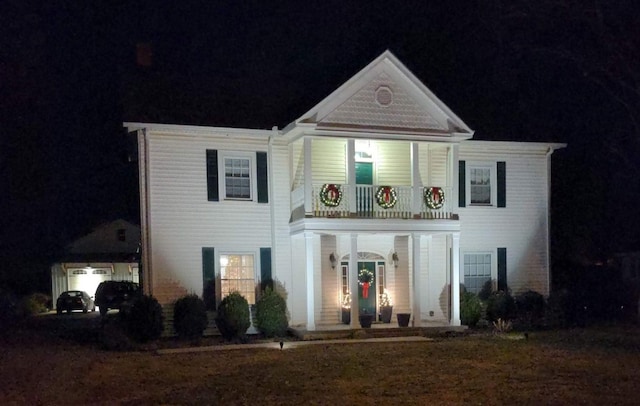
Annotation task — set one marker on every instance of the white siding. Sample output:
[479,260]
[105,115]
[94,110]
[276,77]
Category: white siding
[329,160]
[521,226]
[182,220]
[392,163]
[433,164]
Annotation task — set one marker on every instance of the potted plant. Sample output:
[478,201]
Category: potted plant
[346,308]
[403,319]
[365,319]
[386,308]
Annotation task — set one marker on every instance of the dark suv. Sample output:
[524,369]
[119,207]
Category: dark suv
[116,295]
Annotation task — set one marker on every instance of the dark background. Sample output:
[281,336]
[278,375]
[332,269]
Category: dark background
[72,71]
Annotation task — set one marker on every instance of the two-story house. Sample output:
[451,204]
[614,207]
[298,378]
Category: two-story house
[377,189]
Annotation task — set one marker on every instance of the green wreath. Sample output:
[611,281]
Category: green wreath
[365,276]
[434,197]
[331,194]
[386,197]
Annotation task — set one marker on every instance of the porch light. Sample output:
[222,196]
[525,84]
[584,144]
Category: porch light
[333,260]
[394,258]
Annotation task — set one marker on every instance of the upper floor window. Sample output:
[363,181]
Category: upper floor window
[237,178]
[480,185]
[237,175]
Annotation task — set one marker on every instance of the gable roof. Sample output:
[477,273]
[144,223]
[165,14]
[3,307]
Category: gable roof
[116,237]
[384,97]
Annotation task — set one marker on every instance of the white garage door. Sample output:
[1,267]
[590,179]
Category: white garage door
[88,279]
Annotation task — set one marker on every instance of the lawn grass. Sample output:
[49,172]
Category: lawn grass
[587,366]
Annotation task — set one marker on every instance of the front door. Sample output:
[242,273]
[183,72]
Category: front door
[366,305]
[364,196]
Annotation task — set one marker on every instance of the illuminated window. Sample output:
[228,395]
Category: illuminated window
[237,274]
[382,278]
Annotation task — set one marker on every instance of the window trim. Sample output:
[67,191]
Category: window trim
[222,183]
[493,269]
[493,179]
[256,271]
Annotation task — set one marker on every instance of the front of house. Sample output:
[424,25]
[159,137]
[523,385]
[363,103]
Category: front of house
[377,189]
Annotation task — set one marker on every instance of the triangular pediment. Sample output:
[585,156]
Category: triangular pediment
[385,97]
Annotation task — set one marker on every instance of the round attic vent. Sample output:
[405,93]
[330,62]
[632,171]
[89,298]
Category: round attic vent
[384,96]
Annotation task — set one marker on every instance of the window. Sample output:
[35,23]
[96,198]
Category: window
[237,274]
[480,186]
[121,234]
[345,278]
[382,278]
[477,271]
[237,179]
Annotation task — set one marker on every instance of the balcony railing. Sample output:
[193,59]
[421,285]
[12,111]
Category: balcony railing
[365,204]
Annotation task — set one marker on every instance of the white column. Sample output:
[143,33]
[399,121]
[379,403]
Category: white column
[353,281]
[351,175]
[308,245]
[415,307]
[308,178]
[416,184]
[455,279]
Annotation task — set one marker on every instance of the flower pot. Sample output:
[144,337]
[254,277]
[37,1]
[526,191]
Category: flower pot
[385,313]
[366,320]
[346,316]
[403,319]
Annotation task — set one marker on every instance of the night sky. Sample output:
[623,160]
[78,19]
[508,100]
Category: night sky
[70,74]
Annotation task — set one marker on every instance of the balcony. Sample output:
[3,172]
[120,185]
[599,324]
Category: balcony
[360,201]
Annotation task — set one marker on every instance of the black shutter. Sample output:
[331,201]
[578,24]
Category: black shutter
[462,187]
[263,183]
[502,269]
[212,175]
[265,268]
[502,184]
[209,278]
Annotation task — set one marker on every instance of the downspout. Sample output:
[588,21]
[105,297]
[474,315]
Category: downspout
[272,209]
[143,165]
[548,256]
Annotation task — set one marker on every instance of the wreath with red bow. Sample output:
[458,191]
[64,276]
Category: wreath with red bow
[386,197]
[331,194]
[434,197]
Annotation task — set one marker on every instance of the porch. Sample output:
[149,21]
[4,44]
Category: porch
[377,330]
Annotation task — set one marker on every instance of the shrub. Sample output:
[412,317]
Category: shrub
[470,309]
[530,308]
[190,317]
[144,320]
[33,304]
[271,314]
[113,335]
[486,291]
[233,316]
[500,305]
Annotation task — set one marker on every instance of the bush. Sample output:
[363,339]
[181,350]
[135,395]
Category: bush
[500,305]
[530,308]
[486,291]
[470,309]
[33,304]
[190,317]
[113,335]
[233,316]
[144,320]
[271,314]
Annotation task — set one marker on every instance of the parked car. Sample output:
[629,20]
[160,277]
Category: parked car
[116,295]
[75,300]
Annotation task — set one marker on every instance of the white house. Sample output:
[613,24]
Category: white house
[380,176]
[109,252]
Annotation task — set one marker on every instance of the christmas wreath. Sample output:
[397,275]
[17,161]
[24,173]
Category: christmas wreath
[434,197]
[330,195]
[386,197]
[365,276]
